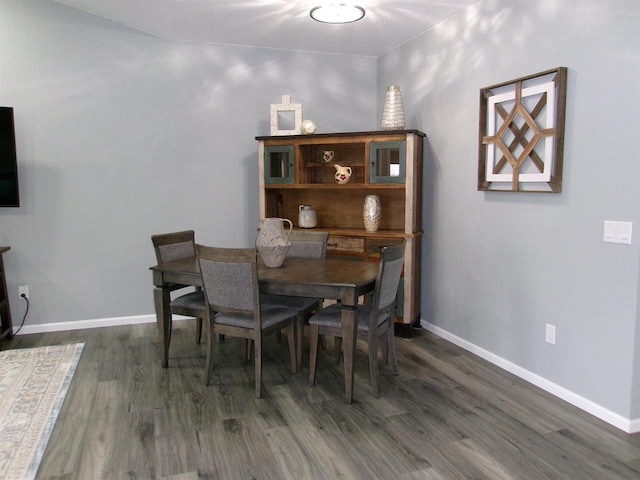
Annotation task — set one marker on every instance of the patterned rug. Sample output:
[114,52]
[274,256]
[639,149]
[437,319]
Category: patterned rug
[33,384]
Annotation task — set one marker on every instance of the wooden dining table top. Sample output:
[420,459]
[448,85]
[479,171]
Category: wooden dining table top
[297,276]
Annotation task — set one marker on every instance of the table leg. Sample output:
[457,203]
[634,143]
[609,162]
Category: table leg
[161,300]
[349,337]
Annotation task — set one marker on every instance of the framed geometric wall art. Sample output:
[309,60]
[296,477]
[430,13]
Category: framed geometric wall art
[521,138]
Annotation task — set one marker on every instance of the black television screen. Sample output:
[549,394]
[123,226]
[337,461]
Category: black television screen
[8,164]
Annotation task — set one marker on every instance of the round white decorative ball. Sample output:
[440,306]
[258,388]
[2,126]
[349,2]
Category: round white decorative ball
[307,127]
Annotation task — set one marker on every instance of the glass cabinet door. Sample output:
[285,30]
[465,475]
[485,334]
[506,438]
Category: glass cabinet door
[388,162]
[278,164]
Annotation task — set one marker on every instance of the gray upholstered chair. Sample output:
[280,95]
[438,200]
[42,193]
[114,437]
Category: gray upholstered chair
[230,284]
[304,244]
[174,246]
[374,320]
[308,244]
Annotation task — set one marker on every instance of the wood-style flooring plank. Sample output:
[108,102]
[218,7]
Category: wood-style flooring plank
[448,415]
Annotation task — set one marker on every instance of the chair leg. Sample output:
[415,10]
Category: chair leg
[208,368]
[293,355]
[306,322]
[198,330]
[245,349]
[337,345]
[384,350]
[392,350]
[373,364]
[313,352]
[257,358]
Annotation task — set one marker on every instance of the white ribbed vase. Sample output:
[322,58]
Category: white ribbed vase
[371,213]
[393,113]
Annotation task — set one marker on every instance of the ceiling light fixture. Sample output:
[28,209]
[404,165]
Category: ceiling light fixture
[337,13]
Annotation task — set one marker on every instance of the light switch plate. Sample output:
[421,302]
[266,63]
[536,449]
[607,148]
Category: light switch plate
[617,232]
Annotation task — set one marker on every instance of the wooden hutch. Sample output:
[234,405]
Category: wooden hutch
[294,171]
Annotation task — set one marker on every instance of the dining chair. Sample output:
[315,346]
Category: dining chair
[374,320]
[304,244]
[234,307]
[175,246]
[308,244]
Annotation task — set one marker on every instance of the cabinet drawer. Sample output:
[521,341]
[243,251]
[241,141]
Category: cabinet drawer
[345,244]
[375,244]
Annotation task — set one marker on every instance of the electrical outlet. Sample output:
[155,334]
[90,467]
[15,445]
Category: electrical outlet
[23,290]
[550,334]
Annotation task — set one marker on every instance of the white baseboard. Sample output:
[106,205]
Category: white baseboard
[81,324]
[625,424]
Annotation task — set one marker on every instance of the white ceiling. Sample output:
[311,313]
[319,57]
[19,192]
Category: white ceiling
[281,24]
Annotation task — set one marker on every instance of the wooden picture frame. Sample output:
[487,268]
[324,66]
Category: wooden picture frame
[521,137]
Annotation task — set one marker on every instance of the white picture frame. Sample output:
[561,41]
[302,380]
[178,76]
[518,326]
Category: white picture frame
[285,107]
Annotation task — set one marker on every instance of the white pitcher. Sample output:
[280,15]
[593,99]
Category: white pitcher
[342,173]
[272,241]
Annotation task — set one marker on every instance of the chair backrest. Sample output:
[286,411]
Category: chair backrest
[308,244]
[174,246]
[389,273]
[229,279]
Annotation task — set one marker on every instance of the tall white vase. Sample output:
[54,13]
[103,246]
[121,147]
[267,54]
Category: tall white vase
[371,213]
[393,113]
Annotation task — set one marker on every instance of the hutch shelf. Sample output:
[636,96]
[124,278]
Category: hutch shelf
[299,170]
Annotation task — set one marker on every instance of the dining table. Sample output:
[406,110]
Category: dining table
[331,278]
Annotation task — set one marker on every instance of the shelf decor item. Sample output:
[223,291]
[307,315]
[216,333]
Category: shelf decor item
[393,113]
[307,217]
[521,137]
[286,117]
[272,241]
[343,174]
[371,213]
[307,127]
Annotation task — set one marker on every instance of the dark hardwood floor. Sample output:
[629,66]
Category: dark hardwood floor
[448,415]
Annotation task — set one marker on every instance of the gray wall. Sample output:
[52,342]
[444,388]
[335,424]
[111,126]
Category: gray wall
[121,135]
[499,266]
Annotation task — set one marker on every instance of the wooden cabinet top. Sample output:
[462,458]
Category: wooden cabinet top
[376,133]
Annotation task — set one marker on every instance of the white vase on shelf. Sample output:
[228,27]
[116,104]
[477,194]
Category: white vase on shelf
[371,213]
[393,113]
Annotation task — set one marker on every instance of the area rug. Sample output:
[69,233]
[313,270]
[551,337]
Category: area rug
[33,384]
